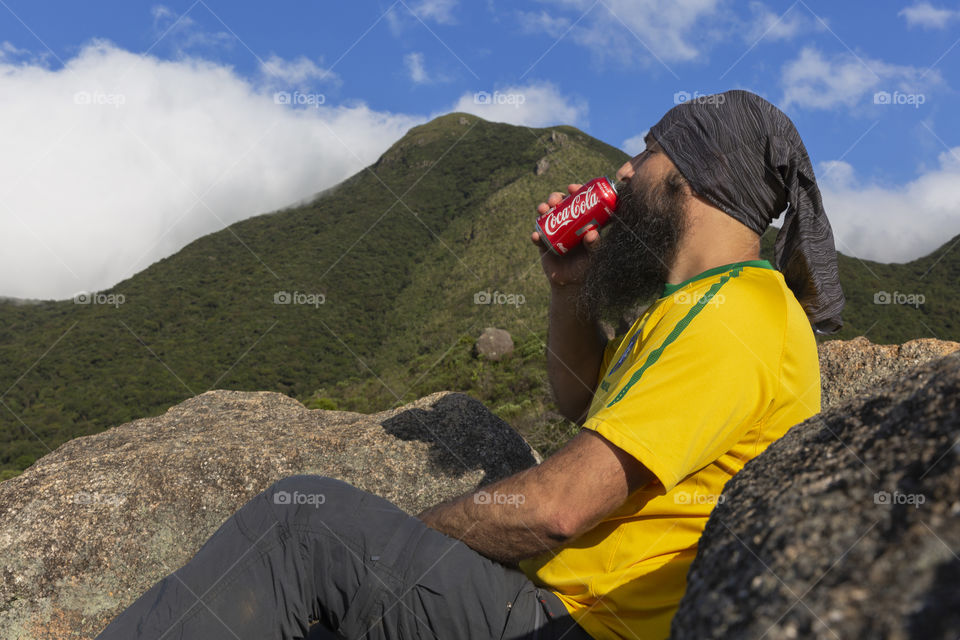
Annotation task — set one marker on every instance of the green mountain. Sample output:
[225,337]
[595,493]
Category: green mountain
[363,299]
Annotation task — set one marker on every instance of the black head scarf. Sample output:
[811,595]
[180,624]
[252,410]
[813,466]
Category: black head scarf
[744,156]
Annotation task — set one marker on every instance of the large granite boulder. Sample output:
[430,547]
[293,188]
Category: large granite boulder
[847,527]
[850,368]
[91,526]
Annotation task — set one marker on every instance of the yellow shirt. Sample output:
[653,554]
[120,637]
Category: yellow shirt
[712,373]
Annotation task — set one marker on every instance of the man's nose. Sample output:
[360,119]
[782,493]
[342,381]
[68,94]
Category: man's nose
[625,172]
[631,166]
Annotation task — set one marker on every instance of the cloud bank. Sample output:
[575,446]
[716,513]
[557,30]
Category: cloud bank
[892,223]
[117,160]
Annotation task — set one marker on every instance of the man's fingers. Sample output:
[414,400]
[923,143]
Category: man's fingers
[535,238]
[555,198]
[591,239]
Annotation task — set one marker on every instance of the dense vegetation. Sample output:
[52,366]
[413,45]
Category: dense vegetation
[380,274]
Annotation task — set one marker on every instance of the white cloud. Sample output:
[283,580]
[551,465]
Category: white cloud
[294,73]
[406,14]
[10,53]
[835,173]
[533,105]
[669,30]
[768,25]
[542,23]
[103,161]
[924,14]
[437,10]
[162,13]
[183,33]
[636,144]
[817,82]
[892,223]
[414,64]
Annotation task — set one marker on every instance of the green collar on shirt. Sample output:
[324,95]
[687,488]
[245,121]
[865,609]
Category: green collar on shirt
[669,289]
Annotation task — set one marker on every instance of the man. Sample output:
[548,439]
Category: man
[722,363]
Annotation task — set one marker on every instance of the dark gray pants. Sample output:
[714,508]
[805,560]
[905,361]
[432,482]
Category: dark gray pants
[313,555]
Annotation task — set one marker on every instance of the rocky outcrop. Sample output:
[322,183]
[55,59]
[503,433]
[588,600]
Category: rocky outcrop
[494,344]
[833,509]
[851,368]
[848,526]
[91,526]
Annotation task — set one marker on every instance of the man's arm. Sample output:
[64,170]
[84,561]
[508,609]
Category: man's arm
[574,353]
[574,345]
[545,506]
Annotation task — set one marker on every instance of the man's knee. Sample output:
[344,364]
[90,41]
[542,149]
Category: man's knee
[328,503]
[309,495]
[311,490]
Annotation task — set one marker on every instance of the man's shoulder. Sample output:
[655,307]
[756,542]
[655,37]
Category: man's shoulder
[733,317]
[741,297]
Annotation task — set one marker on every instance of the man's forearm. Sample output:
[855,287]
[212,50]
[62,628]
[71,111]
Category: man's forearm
[574,353]
[499,521]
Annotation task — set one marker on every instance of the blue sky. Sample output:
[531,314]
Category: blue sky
[160,122]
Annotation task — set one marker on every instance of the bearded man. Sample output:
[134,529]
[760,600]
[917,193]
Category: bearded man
[721,363]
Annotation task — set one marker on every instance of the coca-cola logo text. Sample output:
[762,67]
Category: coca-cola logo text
[580,204]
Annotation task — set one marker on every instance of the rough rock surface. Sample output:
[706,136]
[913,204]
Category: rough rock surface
[494,344]
[92,525]
[847,527]
[853,367]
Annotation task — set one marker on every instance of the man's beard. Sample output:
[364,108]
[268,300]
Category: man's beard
[638,246]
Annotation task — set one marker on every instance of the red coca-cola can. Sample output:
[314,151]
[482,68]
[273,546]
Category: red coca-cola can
[563,227]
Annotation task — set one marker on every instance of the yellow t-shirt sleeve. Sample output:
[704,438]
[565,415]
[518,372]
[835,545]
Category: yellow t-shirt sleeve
[692,391]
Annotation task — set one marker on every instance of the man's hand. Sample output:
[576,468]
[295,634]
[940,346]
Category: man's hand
[568,269]
[574,345]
